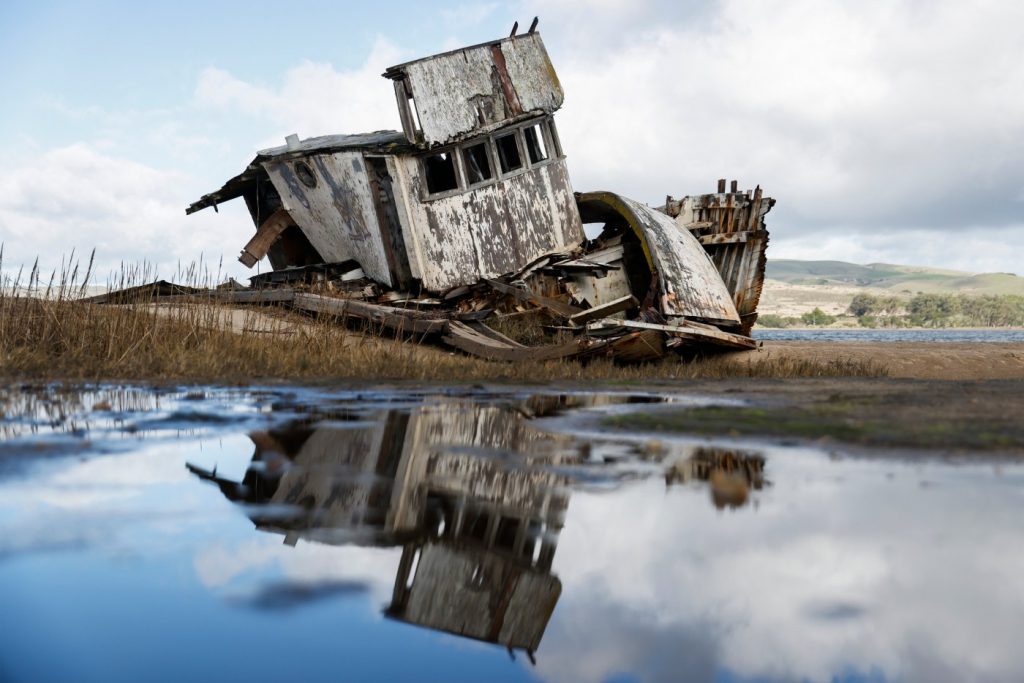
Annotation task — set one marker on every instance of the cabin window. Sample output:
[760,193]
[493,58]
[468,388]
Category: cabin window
[536,148]
[407,110]
[508,153]
[508,527]
[478,163]
[556,144]
[416,126]
[439,169]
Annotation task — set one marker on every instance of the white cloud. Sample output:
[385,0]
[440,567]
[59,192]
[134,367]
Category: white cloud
[858,118]
[971,249]
[878,126]
[234,568]
[80,198]
[788,90]
[314,99]
[839,569]
[467,15]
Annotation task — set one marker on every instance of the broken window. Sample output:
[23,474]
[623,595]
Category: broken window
[407,111]
[536,148]
[556,144]
[416,126]
[439,170]
[478,163]
[508,153]
[508,527]
[476,524]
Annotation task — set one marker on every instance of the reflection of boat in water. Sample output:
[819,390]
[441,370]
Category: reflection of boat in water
[731,474]
[473,493]
[478,527]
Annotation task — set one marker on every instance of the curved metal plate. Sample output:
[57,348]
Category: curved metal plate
[689,284]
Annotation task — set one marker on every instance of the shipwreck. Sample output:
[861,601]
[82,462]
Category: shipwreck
[467,219]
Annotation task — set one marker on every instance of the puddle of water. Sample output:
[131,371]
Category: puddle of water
[461,535]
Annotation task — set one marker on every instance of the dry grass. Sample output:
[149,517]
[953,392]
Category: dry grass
[50,335]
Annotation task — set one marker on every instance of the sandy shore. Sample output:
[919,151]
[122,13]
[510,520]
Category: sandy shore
[913,360]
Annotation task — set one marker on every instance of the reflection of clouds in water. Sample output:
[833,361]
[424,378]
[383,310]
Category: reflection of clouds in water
[103,501]
[109,479]
[826,577]
[242,569]
[608,639]
[834,569]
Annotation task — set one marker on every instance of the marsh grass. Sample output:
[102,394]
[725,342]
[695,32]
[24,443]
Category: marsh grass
[46,332]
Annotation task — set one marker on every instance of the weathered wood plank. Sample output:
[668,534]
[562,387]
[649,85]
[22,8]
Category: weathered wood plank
[702,333]
[527,296]
[395,319]
[465,338]
[728,238]
[456,95]
[615,306]
[488,331]
[259,296]
[265,236]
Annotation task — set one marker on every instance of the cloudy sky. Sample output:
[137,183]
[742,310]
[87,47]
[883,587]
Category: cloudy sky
[888,131]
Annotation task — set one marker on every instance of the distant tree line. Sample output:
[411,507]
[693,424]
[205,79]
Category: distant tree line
[921,310]
[815,318]
[939,310]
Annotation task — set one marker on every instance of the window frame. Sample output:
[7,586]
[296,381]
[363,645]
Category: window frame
[490,142]
[541,126]
[555,143]
[524,162]
[460,184]
[491,153]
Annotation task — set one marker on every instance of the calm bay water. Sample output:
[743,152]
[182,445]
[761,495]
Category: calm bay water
[893,335]
[483,536]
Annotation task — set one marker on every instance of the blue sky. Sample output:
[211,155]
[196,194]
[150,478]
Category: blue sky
[888,131]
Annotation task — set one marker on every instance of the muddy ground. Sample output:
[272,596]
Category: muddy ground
[911,360]
[951,417]
[948,398]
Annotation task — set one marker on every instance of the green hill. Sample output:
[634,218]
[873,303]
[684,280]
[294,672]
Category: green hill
[895,278]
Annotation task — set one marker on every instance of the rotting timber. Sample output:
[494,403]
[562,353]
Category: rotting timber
[466,221]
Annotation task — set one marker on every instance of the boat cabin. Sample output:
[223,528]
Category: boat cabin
[475,185]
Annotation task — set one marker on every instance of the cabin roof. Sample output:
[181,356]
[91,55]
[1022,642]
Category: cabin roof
[390,141]
[455,95]
[380,141]
[398,70]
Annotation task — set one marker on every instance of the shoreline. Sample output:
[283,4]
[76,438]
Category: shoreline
[910,359]
[858,328]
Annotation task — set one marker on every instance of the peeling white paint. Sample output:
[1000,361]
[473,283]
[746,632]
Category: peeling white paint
[337,216]
[492,230]
[461,93]
[689,282]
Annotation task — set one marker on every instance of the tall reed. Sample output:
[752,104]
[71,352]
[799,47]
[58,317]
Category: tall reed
[48,332]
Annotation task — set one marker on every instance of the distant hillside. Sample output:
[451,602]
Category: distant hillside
[895,279]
